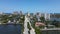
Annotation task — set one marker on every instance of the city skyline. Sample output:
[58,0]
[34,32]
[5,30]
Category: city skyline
[32,6]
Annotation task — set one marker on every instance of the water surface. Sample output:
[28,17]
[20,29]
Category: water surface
[10,29]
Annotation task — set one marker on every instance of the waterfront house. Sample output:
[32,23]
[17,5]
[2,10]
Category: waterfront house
[38,24]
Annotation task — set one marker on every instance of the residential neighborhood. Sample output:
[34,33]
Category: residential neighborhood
[36,21]
[29,16]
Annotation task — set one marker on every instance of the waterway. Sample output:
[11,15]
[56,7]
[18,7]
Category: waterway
[10,29]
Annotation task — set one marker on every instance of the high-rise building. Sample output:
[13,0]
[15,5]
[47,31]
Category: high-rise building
[38,15]
[21,13]
[1,12]
[47,16]
[15,12]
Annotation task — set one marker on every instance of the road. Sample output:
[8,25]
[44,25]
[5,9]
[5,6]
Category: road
[25,26]
[32,31]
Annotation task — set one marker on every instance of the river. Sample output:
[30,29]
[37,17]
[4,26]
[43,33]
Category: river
[10,29]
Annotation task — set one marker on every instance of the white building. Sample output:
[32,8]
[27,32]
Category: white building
[47,16]
[38,15]
[1,13]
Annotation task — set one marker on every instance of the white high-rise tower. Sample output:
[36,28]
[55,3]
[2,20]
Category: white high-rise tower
[47,16]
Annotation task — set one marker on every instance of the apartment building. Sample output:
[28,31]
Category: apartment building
[47,16]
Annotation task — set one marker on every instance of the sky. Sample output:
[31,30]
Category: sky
[32,6]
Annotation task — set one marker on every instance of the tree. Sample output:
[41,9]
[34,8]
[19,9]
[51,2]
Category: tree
[42,19]
[56,23]
[34,21]
[47,22]
[28,25]
[22,18]
[37,31]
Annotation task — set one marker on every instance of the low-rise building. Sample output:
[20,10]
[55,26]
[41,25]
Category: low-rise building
[37,24]
[55,16]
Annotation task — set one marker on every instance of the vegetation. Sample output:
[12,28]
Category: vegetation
[28,26]
[47,22]
[33,22]
[56,23]
[4,18]
[42,19]
[22,28]
[37,31]
[22,18]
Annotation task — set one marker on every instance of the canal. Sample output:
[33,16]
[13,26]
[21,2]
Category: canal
[10,29]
